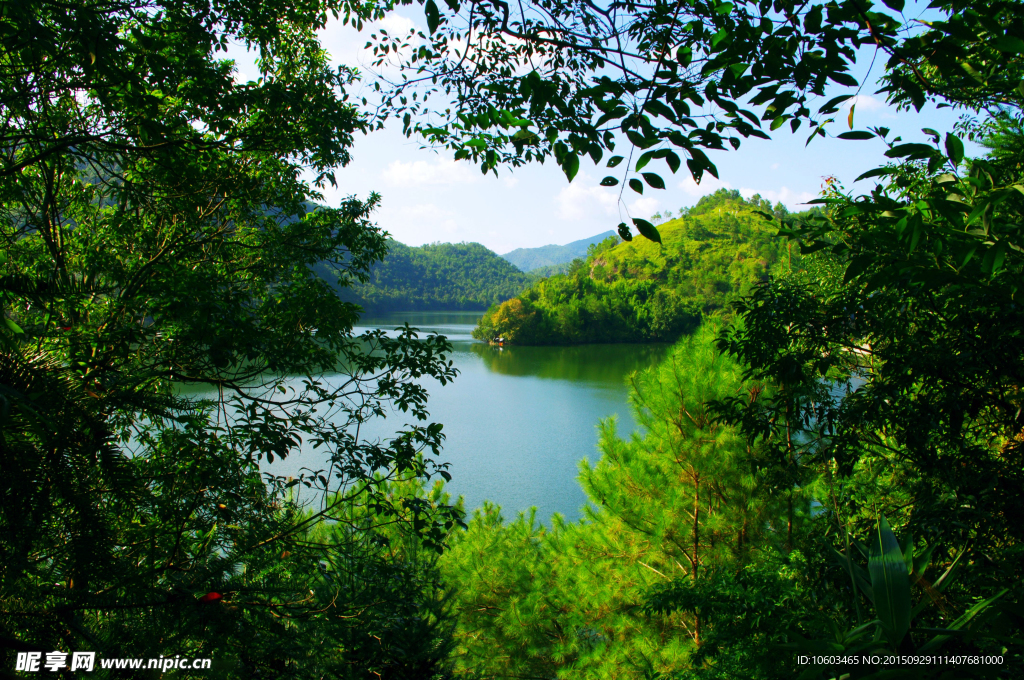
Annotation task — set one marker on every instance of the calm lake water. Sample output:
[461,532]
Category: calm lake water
[518,420]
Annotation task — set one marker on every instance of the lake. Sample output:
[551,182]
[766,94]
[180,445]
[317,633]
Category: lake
[518,420]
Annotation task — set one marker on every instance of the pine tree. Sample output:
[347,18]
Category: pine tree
[688,484]
[676,502]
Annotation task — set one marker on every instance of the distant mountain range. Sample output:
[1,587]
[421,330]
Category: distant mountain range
[451,276]
[528,259]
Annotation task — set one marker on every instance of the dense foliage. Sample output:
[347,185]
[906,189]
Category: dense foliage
[641,291]
[532,259]
[890,360]
[682,501]
[844,478]
[437,276]
[554,79]
[163,344]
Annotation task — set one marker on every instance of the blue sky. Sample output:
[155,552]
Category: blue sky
[428,197]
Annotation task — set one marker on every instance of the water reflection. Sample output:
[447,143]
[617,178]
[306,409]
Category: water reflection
[602,364]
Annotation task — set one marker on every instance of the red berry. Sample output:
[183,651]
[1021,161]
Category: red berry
[210,597]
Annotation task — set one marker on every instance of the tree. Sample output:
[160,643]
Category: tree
[897,354]
[699,471]
[894,360]
[679,503]
[158,236]
[554,79]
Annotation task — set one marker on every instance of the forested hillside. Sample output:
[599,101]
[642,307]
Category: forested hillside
[437,276]
[644,291]
[530,259]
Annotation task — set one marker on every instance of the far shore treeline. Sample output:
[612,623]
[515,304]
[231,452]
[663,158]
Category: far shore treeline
[436,276]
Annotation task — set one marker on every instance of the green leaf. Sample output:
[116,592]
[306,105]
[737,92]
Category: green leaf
[890,583]
[855,572]
[615,160]
[1009,44]
[644,159]
[895,5]
[832,105]
[1000,255]
[526,136]
[570,165]
[609,181]
[808,248]
[843,79]
[636,185]
[856,134]
[922,560]
[954,149]
[624,232]
[907,548]
[654,180]
[912,151]
[970,614]
[433,15]
[660,109]
[15,328]
[672,159]
[857,267]
[647,230]
[877,172]
[970,254]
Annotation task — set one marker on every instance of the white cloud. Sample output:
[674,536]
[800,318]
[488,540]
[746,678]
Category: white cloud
[347,46]
[868,104]
[582,199]
[708,185]
[510,182]
[791,199]
[422,211]
[422,223]
[644,206]
[776,166]
[864,103]
[423,173]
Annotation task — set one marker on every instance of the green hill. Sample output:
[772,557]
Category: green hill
[641,291]
[438,276]
[528,259]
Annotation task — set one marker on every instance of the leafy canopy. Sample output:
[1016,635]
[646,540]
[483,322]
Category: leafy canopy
[165,340]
